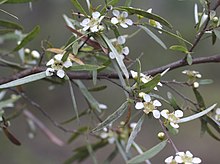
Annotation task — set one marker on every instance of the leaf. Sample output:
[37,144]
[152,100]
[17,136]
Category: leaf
[111,118]
[152,35]
[148,154]
[152,83]
[189,59]
[128,3]
[205,81]
[86,67]
[212,134]
[98,88]
[73,99]
[111,156]
[146,14]
[197,115]
[217,33]
[18,1]
[172,101]
[79,7]
[213,38]
[76,134]
[10,25]
[92,101]
[134,133]
[30,36]
[199,99]
[179,48]
[24,80]
[117,56]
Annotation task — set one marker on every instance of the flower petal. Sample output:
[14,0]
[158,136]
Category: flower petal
[67,64]
[134,75]
[50,62]
[178,113]
[121,40]
[164,113]
[116,13]
[149,10]
[157,103]
[196,160]
[124,25]
[35,54]
[139,105]
[58,57]
[125,50]
[147,98]
[124,14]
[174,125]
[178,159]
[156,114]
[111,55]
[129,22]
[114,20]
[49,71]
[60,73]
[96,15]
[85,22]
[169,159]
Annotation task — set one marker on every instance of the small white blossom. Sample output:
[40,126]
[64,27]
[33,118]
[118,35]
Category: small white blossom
[94,23]
[217,114]
[121,18]
[149,106]
[103,106]
[153,22]
[195,84]
[108,134]
[187,158]
[120,48]
[57,66]
[189,73]
[172,117]
[35,54]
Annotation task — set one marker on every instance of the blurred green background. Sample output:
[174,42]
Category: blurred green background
[48,14]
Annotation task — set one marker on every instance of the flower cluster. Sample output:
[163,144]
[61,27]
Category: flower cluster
[120,48]
[148,105]
[143,78]
[173,117]
[193,76]
[57,66]
[183,157]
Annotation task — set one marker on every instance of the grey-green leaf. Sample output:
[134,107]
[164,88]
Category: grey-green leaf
[79,7]
[134,132]
[24,80]
[152,35]
[111,118]
[86,67]
[189,59]
[148,154]
[197,115]
[179,48]
[146,14]
[10,25]
[30,36]
[18,1]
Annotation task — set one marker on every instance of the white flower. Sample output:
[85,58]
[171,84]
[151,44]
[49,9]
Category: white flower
[149,106]
[217,114]
[153,22]
[196,16]
[35,54]
[120,48]
[172,117]
[187,158]
[57,66]
[103,106]
[121,18]
[94,24]
[108,134]
[193,73]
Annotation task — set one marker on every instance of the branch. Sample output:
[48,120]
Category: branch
[88,76]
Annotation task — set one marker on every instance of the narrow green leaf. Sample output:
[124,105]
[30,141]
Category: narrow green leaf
[205,81]
[189,59]
[199,99]
[86,67]
[111,118]
[134,133]
[73,99]
[18,1]
[111,157]
[146,14]
[92,101]
[148,154]
[212,134]
[91,151]
[172,101]
[112,2]
[213,38]
[30,36]
[98,88]
[152,35]
[24,80]
[197,115]
[77,134]
[79,7]
[179,48]
[121,149]
[128,3]
[10,25]
[117,56]
[152,83]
